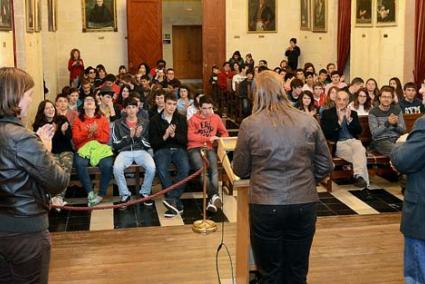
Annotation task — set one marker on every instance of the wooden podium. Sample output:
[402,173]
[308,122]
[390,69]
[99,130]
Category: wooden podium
[240,187]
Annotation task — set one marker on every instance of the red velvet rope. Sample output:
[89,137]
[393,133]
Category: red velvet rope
[139,200]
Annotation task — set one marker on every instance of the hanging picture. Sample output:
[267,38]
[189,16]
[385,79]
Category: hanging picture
[305,15]
[29,15]
[364,13]
[37,16]
[386,13]
[99,15]
[320,15]
[51,15]
[5,15]
[262,16]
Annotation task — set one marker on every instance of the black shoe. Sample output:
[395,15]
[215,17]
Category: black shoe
[358,181]
[171,205]
[170,213]
[147,202]
[367,194]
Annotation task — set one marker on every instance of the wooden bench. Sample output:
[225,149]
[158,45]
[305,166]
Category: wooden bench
[377,163]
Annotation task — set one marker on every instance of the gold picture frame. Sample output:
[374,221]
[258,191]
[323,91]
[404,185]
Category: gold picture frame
[320,16]
[6,15]
[99,18]
[51,15]
[29,15]
[37,16]
[386,13]
[364,13]
[305,16]
[262,16]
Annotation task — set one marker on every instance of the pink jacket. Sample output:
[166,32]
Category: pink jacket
[200,129]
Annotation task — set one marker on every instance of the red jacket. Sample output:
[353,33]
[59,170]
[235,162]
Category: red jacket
[75,71]
[321,101]
[225,80]
[200,129]
[80,130]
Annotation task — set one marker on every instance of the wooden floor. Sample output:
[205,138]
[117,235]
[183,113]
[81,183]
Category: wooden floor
[352,249]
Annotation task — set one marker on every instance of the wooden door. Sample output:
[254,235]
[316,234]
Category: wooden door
[187,52]
[144,29]
[213,37]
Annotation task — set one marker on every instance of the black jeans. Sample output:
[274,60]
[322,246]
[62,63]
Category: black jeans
[24,258]
[281,238]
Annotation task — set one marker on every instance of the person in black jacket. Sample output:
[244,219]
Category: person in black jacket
[409,158]
[168,137]
[293,52]
[341,125]
[28,175]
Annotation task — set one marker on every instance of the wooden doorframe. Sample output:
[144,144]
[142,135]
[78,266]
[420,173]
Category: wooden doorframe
[213,37]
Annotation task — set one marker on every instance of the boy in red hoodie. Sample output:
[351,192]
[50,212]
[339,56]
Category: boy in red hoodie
[203,128]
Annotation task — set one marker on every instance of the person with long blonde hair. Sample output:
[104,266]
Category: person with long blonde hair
[284,153]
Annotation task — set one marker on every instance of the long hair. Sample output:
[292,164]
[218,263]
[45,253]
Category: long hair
[71,54]
[367,105]
[328,102]
[40,118]
[376,91]
[14,83]
[82,112]
[270,97]
[399,89]
[309,94]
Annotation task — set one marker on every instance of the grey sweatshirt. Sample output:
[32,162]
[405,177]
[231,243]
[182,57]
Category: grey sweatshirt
[379,126]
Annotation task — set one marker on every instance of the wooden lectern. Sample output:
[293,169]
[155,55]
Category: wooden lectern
[241,187]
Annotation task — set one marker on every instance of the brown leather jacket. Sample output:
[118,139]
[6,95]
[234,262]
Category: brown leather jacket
[28,174]
[284,162]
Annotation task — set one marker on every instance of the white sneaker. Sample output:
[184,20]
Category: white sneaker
[94,199]
[214,203]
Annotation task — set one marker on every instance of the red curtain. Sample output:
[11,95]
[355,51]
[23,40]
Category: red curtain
[419,71]
[344,31]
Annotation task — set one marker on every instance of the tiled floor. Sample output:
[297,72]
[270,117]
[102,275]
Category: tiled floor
[344,200]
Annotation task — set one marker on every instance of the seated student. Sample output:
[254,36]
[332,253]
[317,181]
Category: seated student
[203,129]
[398,89]
[142,113]
[354,86]
[336,82]
[410,104]
[323,75]
[62,148]
[318,95]
[130,138]
[88,127]
[194,108]
[262,63]
[109,81]
[184,101]
[236,68]
[62,108]
[386,122]
[249,61]
[160,65]
[296,89]
[171,83]
[158,103]
[306,103]
[107,106]
[124,93]
[225,77]
[74,98]
[331,67]
[90,75]
[341,125]
[373,91]
[214,75]
[299,74]
[159,77]
[330,100]
[309,82]
[168,137]
[361,103]
[239,77]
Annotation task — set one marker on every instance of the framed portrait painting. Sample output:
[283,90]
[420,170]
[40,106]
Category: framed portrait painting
[364,13]
[5,15]
[386,13]
[99,15]
[30,15]
[51,15]
[305,15]
[262,16]
[320,15]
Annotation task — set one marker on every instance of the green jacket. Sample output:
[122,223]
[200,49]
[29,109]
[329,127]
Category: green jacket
[95,151]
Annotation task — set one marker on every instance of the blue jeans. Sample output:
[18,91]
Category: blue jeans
[141,158]
[105,167]
[163,159]
[197,163]
[414,261]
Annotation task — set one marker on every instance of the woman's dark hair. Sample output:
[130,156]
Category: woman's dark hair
[195,99]
[294,40]
[399,88]
[376,92]
[82,112]
[71,54]
[309,94]
[40,118]
[100,67]
[237,52]
[120,99]
[367,105]
[148,69]
[189,95]
[308,65]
